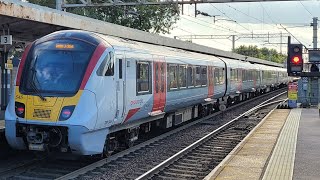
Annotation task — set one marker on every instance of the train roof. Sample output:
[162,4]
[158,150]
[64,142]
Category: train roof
[129,45]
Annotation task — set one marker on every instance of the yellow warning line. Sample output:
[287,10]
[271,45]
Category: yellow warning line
[281,163]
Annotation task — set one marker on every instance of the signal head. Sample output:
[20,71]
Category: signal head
[296,60]
[296,49]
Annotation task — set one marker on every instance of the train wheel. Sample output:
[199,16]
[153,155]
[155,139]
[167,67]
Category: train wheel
[131,136]
[110,145]
[202,111]
[229,101]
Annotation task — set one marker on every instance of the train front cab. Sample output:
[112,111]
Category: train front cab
[44,116]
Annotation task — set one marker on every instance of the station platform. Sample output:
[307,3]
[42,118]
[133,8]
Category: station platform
[285,145]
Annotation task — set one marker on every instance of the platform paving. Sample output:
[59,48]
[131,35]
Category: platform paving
[281,163]
[248,159]
[280,149]
[307,159]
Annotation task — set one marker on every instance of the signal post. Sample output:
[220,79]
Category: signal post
[308,84]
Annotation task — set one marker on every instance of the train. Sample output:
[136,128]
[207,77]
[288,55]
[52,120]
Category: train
[85,93]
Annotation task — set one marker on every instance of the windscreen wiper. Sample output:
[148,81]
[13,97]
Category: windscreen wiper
[35,88]
[31,81]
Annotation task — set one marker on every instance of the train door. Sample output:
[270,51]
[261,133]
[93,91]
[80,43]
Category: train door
[159,84]
[254,77]
[120,86]
[210,78]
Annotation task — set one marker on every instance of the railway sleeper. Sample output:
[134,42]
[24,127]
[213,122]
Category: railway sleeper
[222,147]
[180,171]
[202,158]
[221,141]
[160,177]
[37,174]
[206,154]
[93,172]
[215,148]
[238,133]
[60,171]
[26,178]
[221,144]
[182,163]
[198,161]
[188,167]
[179,175]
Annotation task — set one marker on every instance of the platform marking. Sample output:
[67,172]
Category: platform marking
[247,160]
[281,163]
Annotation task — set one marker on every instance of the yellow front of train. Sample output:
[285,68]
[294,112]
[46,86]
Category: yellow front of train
[49,85]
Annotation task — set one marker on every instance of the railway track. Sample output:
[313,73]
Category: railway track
[198,159]
[43,168]
[134,162]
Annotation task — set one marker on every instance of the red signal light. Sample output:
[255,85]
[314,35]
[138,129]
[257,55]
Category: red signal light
[296,60]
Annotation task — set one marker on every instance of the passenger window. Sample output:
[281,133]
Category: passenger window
[120,68]
[216,76]
[190,78]
[231,74]
[222,76]
[143,77]
[106,68]
[204,75]
[110,69]
[172,76]
[198,76]
[182,76]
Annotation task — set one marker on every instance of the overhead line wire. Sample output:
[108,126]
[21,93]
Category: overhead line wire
[268,14]
[270,18]
[281,26]
[226,28]
[185,30]
[292,35]
[208,26]
[306,8]
[249,15]
[194,34]
[231,18]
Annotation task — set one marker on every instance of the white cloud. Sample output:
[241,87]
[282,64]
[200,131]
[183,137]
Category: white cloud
[260,17]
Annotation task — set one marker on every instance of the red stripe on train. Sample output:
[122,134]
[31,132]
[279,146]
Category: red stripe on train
[93,62]
[131,113]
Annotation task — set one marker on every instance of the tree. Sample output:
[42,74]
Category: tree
[155,18]
[263,53]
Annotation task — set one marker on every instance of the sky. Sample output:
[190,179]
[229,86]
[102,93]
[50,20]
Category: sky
[287,17]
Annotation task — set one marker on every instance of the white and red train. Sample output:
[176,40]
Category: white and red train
[87,93]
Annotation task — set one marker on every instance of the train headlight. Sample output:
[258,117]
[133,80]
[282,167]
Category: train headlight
[20,109]
[66,113]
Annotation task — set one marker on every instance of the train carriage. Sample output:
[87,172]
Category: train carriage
[102,91]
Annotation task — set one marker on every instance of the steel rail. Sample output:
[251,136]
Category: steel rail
[169,161]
